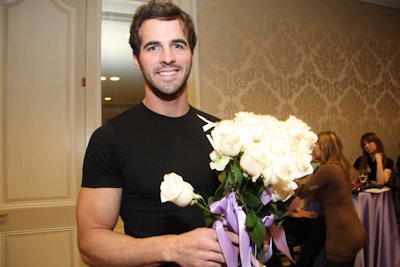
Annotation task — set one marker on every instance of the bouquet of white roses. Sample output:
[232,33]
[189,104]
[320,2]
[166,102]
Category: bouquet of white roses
[257,158]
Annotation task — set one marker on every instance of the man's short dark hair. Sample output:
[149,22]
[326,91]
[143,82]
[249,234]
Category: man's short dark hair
[161,10]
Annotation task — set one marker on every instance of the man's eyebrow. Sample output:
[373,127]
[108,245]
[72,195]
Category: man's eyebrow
[173,41]
[150,43]
[182,41]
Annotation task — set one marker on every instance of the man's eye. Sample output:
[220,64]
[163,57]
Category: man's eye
[178,46]
[152,48]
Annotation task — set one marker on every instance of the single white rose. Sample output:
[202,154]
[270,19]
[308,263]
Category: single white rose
[269,176]
[301,132]
[283,190]
[254,161]
[218,161]
[246,134]
[303,166]
[226,139]
[296,166]
[251,127]
[277,146]
[176,190]
[283,169]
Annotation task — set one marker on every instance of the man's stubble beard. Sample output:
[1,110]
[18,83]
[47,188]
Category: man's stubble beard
[168,94]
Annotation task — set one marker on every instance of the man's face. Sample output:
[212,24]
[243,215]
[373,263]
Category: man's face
[165,57]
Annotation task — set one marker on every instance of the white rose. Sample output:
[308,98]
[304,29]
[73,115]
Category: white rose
[283,190]
[297,125]
[247,118]
[296,166]
[301,132]
[176,190]
[250,127]
[254,161]
[303,166]
[269,176]
[218,161]
[226,139]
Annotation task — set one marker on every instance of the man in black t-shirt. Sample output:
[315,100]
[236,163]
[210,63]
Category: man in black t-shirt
[127,157]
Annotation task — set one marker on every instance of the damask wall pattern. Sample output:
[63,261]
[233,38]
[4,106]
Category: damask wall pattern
[333,63]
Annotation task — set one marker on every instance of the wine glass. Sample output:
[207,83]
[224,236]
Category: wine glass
[363,176]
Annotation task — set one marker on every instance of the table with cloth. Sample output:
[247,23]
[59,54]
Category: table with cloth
[376,210]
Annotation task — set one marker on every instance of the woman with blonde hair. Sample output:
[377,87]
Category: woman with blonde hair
[332,186]
[373,160]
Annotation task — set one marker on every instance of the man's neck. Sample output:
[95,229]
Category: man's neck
[171,108]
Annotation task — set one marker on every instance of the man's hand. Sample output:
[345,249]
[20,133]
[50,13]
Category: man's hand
[198,247]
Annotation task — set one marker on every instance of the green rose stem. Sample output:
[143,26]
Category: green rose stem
[208,215]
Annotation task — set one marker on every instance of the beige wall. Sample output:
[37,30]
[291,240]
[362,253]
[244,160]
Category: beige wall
[333,63]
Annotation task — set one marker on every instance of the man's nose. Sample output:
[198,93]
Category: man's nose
[167,56]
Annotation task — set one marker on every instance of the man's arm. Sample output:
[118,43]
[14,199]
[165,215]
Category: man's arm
[97,214]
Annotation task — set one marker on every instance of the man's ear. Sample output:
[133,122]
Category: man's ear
[137,62]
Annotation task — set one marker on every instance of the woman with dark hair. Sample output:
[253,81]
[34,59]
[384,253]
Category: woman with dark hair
[330,183]
[373,160]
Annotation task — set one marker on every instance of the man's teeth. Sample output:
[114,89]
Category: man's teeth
[167,72]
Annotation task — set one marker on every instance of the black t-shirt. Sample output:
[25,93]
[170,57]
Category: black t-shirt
[134,150]
[372,164]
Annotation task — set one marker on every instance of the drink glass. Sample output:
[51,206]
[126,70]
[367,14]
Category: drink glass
[363,176]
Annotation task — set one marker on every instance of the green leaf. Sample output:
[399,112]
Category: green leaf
[230,178]
[256,229]
[237,172]
[251,200]
[251,220]
[222,176]
[259,184]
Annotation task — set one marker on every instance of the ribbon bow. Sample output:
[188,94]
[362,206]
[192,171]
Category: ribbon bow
[234,218]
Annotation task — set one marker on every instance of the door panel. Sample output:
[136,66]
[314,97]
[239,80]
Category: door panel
[47,248]
[42,130]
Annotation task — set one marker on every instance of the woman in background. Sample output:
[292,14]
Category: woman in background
[345,235]
[395,185]
[373,160]
[306,226]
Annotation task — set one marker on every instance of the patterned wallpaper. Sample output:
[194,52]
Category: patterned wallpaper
[333,63]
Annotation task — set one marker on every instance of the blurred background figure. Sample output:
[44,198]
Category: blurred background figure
[394,184]
[331,184]
[305,227]
[373,161]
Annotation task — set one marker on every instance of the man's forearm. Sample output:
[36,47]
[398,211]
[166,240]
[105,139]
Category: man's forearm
[101,247]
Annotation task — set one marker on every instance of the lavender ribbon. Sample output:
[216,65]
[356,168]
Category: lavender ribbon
[277,232]
[225,208]
[234,218]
